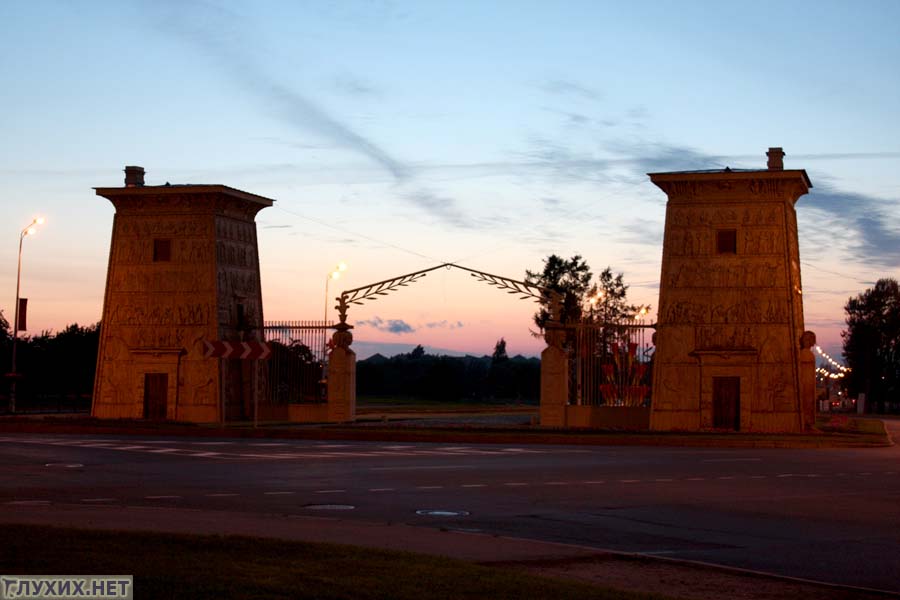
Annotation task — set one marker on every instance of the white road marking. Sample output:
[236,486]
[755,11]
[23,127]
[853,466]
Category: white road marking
[594,482]
[275,456]
[473,485]
[422,468]
[163,450]
[629,481]
[279,493]
[210,443]
[330,491]
[725,477]
[28,502]
[515,484]
[206,454]
[695,479]
[429,487]
[131,448]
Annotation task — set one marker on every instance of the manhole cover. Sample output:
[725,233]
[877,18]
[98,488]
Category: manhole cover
[329,507]
[428,512]
[65,465]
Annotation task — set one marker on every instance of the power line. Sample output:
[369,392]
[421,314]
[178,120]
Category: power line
[356,234]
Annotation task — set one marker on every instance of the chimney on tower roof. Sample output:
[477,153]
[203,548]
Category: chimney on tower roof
[134,176]
[776,159]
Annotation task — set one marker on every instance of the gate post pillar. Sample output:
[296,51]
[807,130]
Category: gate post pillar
[342,377]
[807,376]
[554,379]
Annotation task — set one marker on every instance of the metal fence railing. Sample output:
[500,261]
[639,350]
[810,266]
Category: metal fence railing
[611,364]
[297,367]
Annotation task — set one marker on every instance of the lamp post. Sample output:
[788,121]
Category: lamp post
[335,274]
[30,229]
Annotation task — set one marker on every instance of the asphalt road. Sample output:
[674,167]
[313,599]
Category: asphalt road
[829,515]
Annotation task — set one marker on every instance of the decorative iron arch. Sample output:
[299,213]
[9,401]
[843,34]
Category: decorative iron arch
[373,291]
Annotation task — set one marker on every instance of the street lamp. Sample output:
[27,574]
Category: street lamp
[30,229]
[601,295]
[335,274]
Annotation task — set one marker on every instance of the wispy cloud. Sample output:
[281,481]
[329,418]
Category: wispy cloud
[394,326]
[570,88]
[442,207]
[353,86]
[218,33]
[444,324]
[877,239]
[223,37]
[644,232]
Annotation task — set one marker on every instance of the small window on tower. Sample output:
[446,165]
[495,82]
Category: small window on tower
[726,241]
[162,250]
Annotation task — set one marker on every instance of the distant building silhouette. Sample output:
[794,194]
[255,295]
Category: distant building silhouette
[183,268]
[731,352]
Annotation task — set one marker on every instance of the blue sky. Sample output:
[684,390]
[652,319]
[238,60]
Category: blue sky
[395,136]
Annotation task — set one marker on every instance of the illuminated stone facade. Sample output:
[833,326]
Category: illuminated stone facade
[730,346]
[183,268]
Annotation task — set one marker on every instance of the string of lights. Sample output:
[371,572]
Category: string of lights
[831,361]
[826,373]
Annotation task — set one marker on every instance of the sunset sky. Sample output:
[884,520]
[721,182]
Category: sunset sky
[395,136]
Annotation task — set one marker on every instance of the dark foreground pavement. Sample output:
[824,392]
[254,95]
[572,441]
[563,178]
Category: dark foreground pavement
[829,515]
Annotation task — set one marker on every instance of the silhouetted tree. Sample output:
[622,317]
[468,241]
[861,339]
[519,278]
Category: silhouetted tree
[604,301]
[5,334]
[607,300]
[417,352]
[872,342]
[499,354]
[571,278]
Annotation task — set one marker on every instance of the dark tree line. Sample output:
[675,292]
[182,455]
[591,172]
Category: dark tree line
[872,345]
[57,369]
[451,378]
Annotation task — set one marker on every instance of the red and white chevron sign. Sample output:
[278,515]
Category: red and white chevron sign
[242,350]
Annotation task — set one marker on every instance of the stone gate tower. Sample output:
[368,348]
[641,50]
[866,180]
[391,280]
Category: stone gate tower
[731,352]
[183,268]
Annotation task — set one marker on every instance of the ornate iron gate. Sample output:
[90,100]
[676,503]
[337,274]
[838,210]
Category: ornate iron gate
[297,367]
[610,364]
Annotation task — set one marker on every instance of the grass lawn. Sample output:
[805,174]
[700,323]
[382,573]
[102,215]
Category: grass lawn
[193,566]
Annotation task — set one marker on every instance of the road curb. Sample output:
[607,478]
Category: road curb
[442,435]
